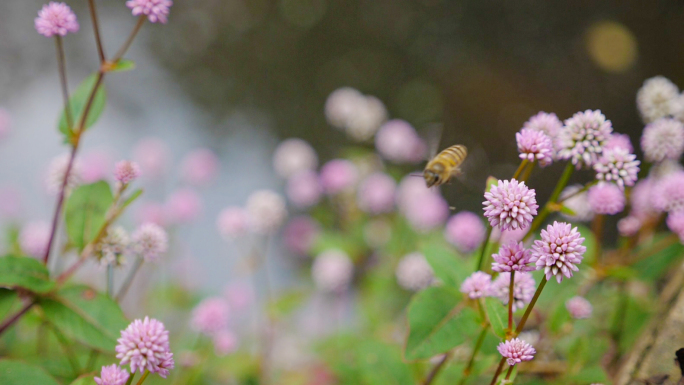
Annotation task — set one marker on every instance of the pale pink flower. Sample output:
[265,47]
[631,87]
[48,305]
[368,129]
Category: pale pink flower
[152,212]
[578,203]
[153,155]
[338,175]
[629,226]
[300,233]
[155,10]
[398,142]
[145,346]
[225,342]
[655,98]
[233,222]
[426,212]
[606,198]
[414,272]
[332,271]
[668,193]
[663,139]
[266,210]
[114,246]
[583,137]
[200,167]
[516,351]
[293,156]
[578,307]
[477,285]
[619,141]
[535,146]
[641,199]
[239,295]
[304,189]
[150,241]
[675,222]
[466,231]
[126,171]
[369,115]
[56,19]
[210,316]
[510,204]
[618,166]
[513,256]
[95,165]
[57,171]
[412,188]
[523,288]
[183,205]
[112,375]
[559,251]
[341,105]
[34,238]
[376,193]
[547,123]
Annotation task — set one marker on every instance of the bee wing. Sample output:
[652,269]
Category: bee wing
[475,169]
[432,135]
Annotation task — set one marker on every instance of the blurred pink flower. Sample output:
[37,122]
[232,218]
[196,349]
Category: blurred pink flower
[153,156]
[183,205]
[578,307]
[294,156]
[577,202]
[466,231]
[155,10]
[239,295]
[126,171]
[376,193]
[152,212]
[655,98]
[547,123]
[427,212]
[95,165]
[200,167]
[675,222]
[150,241]
[225,342]
[629,226]
[477,285]
[619,141]
[412,188]
[341,105]
[56,19]
[300,233]
[145,345]
[112,375]
[641,199]
[523,288]
[606,198]
[233,222]
[414,272]
[516,351]
[668,193]
[332,271]
[338,175]
[398,142]
[34,238]
[663,139]
[56,172]
[304,189]
[210,316]
[267,211]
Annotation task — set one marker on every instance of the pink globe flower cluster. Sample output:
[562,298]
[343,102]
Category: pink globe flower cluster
[477,285]
[579,307]
[535,146]
[425,209]
[150,241]
[663,139]
[112,375]
[56,19]
[126,171]
[516,351]
[523,289]
[559,251]
[300,234]
[144,344]
[618,166]
[210,317]
[376,194]
[414,272]
[332,271]
[583,137]
[200,167]
[513,257]
[359,115]
[510,205]
[157,11]
[466,231]
[606,198]
[398,142]
[548,123]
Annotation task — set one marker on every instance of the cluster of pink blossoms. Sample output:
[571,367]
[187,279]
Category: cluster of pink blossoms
[510,205]
[145,346]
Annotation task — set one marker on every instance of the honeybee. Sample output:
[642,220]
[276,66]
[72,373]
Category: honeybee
[446,165]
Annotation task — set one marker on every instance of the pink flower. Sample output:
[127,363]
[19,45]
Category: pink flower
[509,235]
[338,175]
[606,198]
[477,285]
[398,142]
[293,156]
[304,189]
[126,171]
[239,295]
[655,98]
[516,351]
[341,106]
[559,251]
[618,166]
[578,203]
[152,154]
[210,316]
[619,141]
[510,204]
[145,345]
[95,165]
[200,167]
[675,222]
[112,375]
[578,307]
[641,199]
[152,212]
[668,193]
[266,210]
[512,257]
[583,137]
[155,10]
[150,241]
[663,139]
[547,123]
[376,193]
[414,272]
[34,238]
[466,231]
[629,226]
[56,19]
[523,288]
[426,212]
[184,206]
[225,342]
[535,146]
[300,233]
[57,171]
[233,222]
[332,271]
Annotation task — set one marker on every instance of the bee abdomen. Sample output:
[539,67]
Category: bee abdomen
[454,155]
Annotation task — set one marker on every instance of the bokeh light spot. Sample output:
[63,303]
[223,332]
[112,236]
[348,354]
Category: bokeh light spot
[611,46]
[303,13]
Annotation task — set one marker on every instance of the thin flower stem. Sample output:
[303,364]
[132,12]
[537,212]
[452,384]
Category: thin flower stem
[129,41]
[130,379]
[508,373]
[597,229]
[484,248]
[521,325]
[469,367]
[129,279]
[60,203]
[96,29]
[562,182]
[498,371]
[61,63]
[436,369]
[520,168]
[528,171]
[511,287]
[583,189]
[144,376]
[9,321]
[110,280]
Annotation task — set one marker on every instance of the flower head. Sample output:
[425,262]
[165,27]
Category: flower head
[126,171]
[619,166]
[304,189]
[629,226]
[300,233]
[210,316]
[668,193]
[466,231]
[114,246]
[663,139]
[232,222]
[112,375]
[414,272]
[338,175]
[153,156]
[225,342]
[332,271]
[477,285]
[512,257]
[376,193]
[239,295]
[655,97]
[641,199]
[583,137]
[34,238]
[675,222]
[398,142]
[547,123]
[155,10]
[57,171]
[56,19]
[426,213]
[200,167]
[516,351]
[523,288]
[145,346]
[534,146]
[577,202]
[619,141]
[183,205]
[606,198]
[341,105]
[266,210]
[578,307]
[293,156]
[370,114]
[510,205]
[559,251]
[150,241]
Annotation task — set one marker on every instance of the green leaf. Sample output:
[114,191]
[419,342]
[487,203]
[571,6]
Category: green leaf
[131,198]
[8,300]
[437,323]
[446,263]
[26,273]
[286,303]
[20,373]
[622,273]
[77,104]
[655,264]
[86,210]
[86,316]
[567,210]
[497,313]
[123,65]
[491,181]
[382,364]
[86,379]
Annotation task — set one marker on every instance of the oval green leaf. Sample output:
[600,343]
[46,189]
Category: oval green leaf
[14,372]
[86,210]
[26,273]
[497,313]
[77,104]
[448,266]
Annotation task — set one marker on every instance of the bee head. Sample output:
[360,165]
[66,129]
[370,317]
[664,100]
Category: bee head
[431,178]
